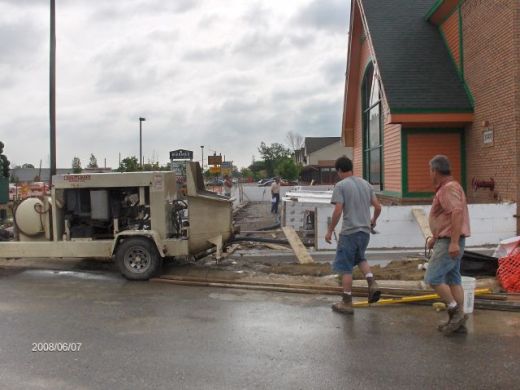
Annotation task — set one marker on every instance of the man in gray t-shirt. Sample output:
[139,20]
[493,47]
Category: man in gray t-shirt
[352,197]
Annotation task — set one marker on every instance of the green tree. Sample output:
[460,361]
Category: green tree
[258,168]
[151,166]
[287,169]
[129,164]
[26,165]
[246,172]
[92,162]
[272,155]
[76,165]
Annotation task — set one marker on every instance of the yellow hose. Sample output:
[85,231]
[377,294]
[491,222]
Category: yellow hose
[415,298]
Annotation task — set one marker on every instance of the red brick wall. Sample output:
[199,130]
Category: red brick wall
[450,29]
[490,69]
[392,158]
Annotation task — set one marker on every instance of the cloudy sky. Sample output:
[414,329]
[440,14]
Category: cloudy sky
[226,74]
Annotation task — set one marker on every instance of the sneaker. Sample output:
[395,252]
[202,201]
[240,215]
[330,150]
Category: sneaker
[343,307]
[456,321]
[374,293]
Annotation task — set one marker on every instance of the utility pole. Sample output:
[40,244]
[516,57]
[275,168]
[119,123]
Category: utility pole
[52,90]
[202,161]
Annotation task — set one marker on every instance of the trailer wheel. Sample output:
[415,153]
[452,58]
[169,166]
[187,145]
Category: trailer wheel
[138,259]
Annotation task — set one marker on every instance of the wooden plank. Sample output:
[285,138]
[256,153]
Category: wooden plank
[422,220]
[297,246]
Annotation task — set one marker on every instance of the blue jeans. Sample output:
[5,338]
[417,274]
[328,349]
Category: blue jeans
[442,268]
[350,252]
[274,205]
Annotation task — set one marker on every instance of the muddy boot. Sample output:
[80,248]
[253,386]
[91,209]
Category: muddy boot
[345,306]
[457,320]
[374,293]
[461,329]
[443,324]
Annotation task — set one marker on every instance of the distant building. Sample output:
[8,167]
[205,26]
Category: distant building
[318,157]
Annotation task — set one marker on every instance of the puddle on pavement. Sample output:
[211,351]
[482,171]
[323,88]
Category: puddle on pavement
[70,274]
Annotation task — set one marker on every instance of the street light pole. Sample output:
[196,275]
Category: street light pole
[141,120]
[202,160]
[52,89]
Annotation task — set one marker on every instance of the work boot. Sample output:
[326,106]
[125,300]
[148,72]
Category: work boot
[461,329]
[345,306]
[374,293]
[455,322]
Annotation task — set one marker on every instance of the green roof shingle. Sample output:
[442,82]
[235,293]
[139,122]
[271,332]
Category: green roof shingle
[416,69]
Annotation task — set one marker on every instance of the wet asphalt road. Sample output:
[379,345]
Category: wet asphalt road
[139,335]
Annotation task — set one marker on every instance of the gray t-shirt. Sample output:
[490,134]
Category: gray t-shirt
[356,195]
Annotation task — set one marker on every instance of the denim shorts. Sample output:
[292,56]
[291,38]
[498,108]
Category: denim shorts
[442,268]
[350,252]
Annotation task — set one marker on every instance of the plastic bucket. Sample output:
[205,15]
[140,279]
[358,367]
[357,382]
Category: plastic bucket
[468,285]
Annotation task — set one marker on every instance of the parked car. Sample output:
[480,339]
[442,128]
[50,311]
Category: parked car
[283,182]
[261,182]
[266,183]
[215,181]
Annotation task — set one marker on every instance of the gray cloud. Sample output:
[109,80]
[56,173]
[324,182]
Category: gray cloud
[136,81]
[164,35]
[19,42]
[301,41]
[118,9]
[259,45]
[330,15]
[207,54]
[334,71]
[320,117]
[258,15]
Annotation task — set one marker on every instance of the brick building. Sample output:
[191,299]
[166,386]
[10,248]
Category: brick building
[428,77]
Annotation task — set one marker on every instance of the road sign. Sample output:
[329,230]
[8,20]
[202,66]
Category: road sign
[214,169]
[214,160]
[227,164]
[181,154]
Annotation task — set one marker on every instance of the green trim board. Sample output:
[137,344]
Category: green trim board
[461,43]
[449,51]
[404,157]
[362,95]
[452,12]
[460,72]
[431,111]
[433,9]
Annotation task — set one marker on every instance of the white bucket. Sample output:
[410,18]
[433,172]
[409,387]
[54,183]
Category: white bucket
[468,285]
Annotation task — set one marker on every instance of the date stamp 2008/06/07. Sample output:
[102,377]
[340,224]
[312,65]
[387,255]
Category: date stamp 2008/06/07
[56,347]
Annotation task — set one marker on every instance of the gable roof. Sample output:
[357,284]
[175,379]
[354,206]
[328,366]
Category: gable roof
[313,144]
[416,70]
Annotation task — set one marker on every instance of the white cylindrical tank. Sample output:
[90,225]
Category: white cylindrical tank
[28,219]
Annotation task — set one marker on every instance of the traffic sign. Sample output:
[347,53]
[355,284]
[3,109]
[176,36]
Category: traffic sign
[181,154]
[214,160]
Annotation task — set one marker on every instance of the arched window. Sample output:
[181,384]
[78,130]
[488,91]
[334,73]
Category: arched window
[372,126]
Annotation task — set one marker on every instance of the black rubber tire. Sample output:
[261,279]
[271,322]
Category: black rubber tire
[138,259]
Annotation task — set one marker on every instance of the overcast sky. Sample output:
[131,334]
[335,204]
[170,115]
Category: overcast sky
[226,74]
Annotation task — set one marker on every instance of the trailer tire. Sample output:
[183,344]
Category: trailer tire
[138,259]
